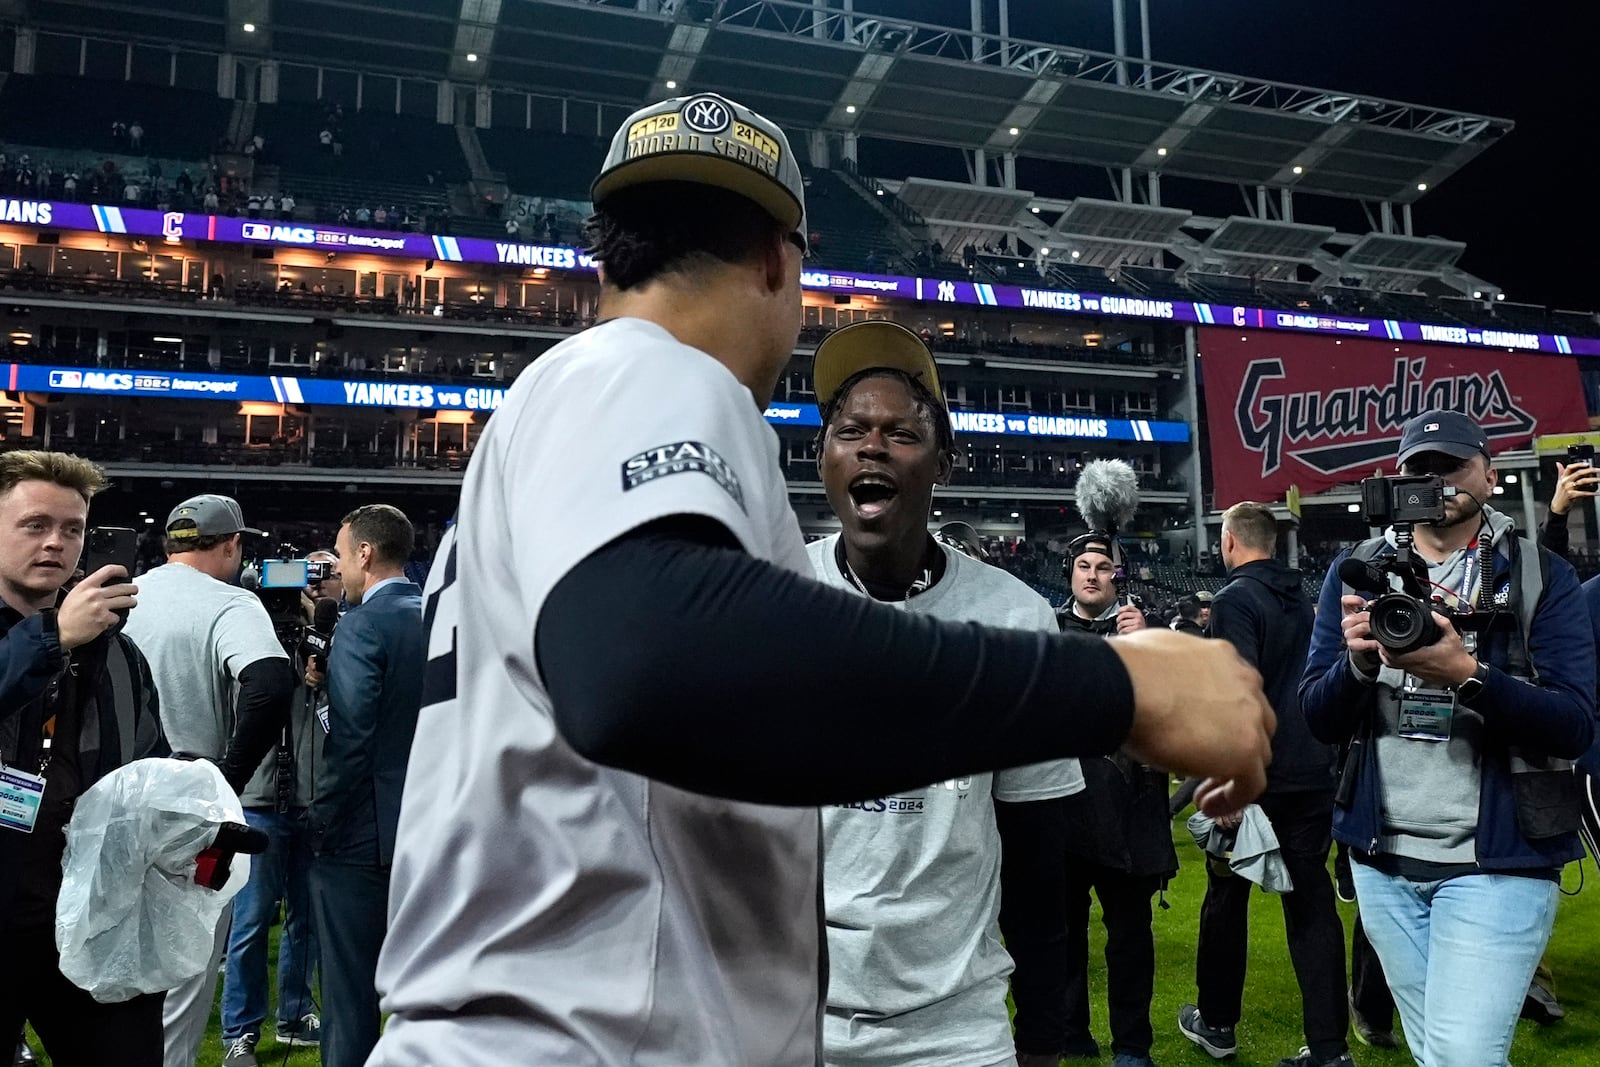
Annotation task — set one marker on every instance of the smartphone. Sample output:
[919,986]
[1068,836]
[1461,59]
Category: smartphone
[104,545]
[1580,454]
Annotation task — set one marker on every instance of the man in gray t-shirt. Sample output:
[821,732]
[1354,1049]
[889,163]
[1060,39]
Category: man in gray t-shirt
[224,681]
[911,882]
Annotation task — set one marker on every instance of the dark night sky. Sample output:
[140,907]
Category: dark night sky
[1526,207]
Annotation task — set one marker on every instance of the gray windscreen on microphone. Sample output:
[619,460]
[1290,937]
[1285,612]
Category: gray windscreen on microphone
[1108,494]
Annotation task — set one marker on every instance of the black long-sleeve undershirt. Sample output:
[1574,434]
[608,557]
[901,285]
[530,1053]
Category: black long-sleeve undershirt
[265,690]
[673,655]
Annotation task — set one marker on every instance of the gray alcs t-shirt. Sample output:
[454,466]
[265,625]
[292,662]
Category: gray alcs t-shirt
[197,634]
[916,971]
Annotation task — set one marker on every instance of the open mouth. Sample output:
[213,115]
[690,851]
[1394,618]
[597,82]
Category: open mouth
[872,494]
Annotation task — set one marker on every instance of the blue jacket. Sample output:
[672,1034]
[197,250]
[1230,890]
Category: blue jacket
[374,694]
[1555,718]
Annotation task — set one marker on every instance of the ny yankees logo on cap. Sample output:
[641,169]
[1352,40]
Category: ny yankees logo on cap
[706,114]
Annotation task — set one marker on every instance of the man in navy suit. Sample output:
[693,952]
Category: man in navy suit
[374,680]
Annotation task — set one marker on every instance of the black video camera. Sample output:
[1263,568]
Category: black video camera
[1401,617]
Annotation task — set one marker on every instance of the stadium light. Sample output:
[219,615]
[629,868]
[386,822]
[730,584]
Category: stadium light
[1034,210]
[1074,253]
[1161,151]
[1299,169]
[1422,187]
[1511,479]
[936,514]
[1015,131]
[1499,490]
[1477,294]
[671,84]
[249,27]
[849,109]
[1499,296]
[1016,515]
[472,57]
[1354,509]
[1044,250]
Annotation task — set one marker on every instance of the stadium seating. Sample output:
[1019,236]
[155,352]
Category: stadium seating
[77,113]
[544,164]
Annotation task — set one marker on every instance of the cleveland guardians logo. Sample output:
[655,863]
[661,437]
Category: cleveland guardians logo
[1358,426]
[706,114]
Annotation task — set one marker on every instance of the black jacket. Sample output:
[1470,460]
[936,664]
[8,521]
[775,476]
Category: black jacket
[1120,820]
[1264,614]
[107,683]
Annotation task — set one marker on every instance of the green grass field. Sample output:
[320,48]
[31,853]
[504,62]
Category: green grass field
[1271,1025]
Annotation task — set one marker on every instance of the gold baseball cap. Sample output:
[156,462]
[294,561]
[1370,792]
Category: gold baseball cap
[872,343]
[711,140]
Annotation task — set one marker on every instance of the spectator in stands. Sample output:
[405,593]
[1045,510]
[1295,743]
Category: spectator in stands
[69,186]
[344,214]
[119,134]
[184,184]
[325,139]
[253,205]
[512,228]
[286,205]
[136,136]
[131,191]
[363,215]
[212,203]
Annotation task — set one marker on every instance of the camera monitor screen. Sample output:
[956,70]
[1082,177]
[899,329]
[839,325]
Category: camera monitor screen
[283,574]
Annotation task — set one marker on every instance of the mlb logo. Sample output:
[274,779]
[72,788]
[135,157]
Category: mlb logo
[66,379]
[255,231]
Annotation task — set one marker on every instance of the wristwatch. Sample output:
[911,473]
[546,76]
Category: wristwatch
[1472,688]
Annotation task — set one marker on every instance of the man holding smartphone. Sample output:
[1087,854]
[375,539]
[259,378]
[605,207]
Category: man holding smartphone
[76,702]
[1576,479]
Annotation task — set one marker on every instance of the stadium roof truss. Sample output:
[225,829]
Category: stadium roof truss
[1110,234]
[959,215]
[1396,264]
[813,67]
[1262,249]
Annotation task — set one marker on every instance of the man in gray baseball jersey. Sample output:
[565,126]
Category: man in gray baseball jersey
[608,846]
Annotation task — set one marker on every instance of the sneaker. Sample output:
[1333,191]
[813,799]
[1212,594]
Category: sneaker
[1081,1047]
[307,1033]
[242,1053]
[1368,1034]
[1344,883]
[1305,1059]
[1541,1006]
[1128,1059]
[1218,1042]
[24,1056]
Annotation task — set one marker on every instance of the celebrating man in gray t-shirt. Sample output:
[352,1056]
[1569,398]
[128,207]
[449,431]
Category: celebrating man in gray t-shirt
[911,885]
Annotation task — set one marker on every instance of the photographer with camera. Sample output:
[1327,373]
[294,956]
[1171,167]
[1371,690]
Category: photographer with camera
[76,703]
[1461,690]
[1114,838]
[275,803]
[225,687]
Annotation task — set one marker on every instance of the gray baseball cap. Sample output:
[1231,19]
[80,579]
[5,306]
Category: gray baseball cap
[208,515]
[711,140]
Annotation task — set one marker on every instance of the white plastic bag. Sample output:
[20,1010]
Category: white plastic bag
[130,918]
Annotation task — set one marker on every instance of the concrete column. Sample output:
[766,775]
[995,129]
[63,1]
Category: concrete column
[1191,353]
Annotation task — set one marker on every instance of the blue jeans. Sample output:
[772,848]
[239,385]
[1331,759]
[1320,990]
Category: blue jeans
[280,873]
[1458,955]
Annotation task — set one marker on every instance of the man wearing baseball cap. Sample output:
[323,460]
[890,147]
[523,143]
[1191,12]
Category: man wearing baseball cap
[1452,796]
[608,844]
[225,685]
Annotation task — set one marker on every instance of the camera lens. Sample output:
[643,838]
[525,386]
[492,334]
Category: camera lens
[1402,624]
